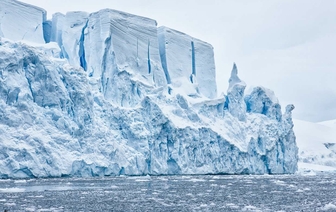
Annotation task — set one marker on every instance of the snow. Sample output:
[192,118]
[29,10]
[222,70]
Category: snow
[20,21]
[316,142]
[310,167]
[329,123]
[188,63]
[95,102]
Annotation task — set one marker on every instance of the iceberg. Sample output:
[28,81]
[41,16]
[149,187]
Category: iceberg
[112,94]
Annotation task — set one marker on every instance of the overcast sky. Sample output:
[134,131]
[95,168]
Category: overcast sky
[288,46]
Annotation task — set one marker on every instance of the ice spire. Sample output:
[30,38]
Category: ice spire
[234,79]
[236,104]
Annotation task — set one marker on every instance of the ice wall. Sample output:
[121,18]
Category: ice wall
[73,37]
[54,122]
[20,21]
[121,45]
[94,102]
[119,50]
[188,63]
[58,22]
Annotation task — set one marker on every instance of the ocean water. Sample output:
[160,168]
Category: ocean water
[172,193]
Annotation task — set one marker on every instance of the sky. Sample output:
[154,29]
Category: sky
[288,46]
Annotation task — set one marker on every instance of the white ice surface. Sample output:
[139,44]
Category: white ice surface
[20,21]
[329,123]
[317,146]
[121,47]
[188,62]
[72,32]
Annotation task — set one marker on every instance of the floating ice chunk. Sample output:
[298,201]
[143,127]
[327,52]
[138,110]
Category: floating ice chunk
[329,207]
[20,21]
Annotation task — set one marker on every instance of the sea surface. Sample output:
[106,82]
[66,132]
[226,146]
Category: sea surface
[172,193]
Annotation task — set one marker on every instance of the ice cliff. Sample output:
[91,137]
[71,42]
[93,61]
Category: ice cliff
[112,94]
[20,21]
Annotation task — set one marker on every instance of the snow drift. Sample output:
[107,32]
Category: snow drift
[112,94]
[317,145]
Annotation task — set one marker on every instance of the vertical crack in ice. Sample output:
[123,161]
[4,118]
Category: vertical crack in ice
[162,49]
[81,52]
[47,25]
[29,83]
[137,55]
[104,78]
[148,59]
[193,61]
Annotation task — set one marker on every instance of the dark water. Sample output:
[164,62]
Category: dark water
[172,193]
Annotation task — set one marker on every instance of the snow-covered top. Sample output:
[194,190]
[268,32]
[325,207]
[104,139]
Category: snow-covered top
[120,15]
[268,93]
[329,123]
[186,36]
[20,21]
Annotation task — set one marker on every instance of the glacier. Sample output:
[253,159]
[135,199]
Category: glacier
[110,93]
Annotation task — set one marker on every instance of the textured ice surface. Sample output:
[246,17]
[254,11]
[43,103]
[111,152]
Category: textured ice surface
[54,122]
[262,100]
[20,21]
[99,105]
[188,63]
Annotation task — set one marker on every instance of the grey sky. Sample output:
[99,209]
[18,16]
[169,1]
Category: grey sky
[288,46]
